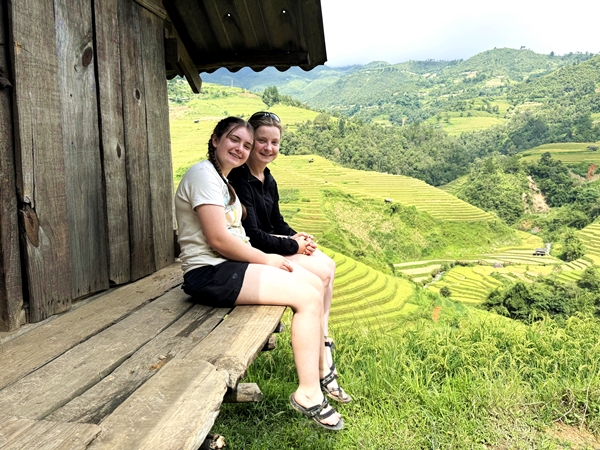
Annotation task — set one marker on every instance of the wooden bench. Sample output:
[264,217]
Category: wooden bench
[136,367]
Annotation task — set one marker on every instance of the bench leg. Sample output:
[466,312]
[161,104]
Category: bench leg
[213,442]
[270,344]
[244,393]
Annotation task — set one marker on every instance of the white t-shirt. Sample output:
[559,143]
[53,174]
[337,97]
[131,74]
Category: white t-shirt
[202,185]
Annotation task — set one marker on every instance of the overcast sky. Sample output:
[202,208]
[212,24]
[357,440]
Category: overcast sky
[399,30]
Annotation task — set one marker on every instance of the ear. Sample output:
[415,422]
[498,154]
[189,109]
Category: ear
[215,140]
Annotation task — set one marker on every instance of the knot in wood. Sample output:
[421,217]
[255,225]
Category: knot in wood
[86,59]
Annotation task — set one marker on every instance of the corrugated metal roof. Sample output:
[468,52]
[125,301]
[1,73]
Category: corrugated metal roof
[250,33]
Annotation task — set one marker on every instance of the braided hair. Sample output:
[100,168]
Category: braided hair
[224,128]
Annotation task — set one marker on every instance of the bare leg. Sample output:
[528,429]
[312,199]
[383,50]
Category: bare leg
[324,267]
[303,293]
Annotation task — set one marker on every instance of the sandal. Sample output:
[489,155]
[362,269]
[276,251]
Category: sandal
[329,343]
[314,413]
[335,393]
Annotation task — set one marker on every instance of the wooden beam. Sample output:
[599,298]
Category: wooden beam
[108,64]
[81,145]
[185,65]
[11,296]
[244,393]
[40,159]
[154,6]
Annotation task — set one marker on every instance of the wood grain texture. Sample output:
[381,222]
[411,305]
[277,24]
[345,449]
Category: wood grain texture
[40,157]
[173,343]
[66,331]
[50,387]
[136,141]
[174,410]
[11,297]
[108,67]
[159,140]
[234,344]
[18,434]
[81,144]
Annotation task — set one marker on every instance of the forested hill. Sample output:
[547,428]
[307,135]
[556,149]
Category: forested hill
[411,91]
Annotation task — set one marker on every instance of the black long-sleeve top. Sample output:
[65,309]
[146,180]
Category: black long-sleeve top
[263,218]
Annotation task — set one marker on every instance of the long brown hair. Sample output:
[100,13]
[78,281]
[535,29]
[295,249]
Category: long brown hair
[226,127]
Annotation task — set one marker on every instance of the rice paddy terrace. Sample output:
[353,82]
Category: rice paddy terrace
[473,282]
[568,153]
[366,298]
[310,178]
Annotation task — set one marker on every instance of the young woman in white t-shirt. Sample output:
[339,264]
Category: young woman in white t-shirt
[221,268]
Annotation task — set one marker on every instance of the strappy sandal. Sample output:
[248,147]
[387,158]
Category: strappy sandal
[334,393]
[329,343]
[315,413]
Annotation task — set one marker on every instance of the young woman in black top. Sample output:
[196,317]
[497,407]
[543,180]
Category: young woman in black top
[268,232]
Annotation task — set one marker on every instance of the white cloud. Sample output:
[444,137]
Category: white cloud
[358,33]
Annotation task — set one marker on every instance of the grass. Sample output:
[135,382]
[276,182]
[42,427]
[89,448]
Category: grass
[568,153]
[470,381]
[460,125]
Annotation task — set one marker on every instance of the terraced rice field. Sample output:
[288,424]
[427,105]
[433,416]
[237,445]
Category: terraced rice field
[312,177]
[568,153]
[590,236]
[366,298]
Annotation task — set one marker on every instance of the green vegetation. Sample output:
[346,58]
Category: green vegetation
[427,365]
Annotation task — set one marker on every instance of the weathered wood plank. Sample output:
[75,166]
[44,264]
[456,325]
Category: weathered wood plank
[11,296]
[155,6]
[81,144]
[25,352]
[50,387]
[234,344]
[108,63]
[159,140]
[40,157]
[173,410]
[174,342]
[136,141]
[17,434]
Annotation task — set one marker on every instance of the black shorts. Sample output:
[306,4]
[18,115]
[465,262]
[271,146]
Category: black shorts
[217,286]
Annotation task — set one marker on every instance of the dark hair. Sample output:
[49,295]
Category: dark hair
[265,121]
[226,127]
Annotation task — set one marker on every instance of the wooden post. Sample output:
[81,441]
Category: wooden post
[159,141]
[39,158]
[81,145]
[108,69]
[136,141]
[11,297]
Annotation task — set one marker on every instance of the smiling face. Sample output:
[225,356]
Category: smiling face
[266,145]
[232,148]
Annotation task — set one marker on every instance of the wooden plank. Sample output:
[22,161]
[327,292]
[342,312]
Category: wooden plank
[174,342]
[155,6]
[11,296]
[174,410]
[40,157]
[234,344]
[136,141]
[159,140]
[50,387]
[81,144]
[108,64]
[59,335]
[17,434]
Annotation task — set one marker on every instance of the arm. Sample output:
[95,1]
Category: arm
[259,238]
[214,226]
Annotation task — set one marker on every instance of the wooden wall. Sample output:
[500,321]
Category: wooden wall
[11,298]
[92,147]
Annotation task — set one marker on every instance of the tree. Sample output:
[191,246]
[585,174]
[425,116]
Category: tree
[271,96]
[573,248]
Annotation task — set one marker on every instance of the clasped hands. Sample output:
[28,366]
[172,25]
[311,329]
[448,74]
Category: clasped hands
[306,243]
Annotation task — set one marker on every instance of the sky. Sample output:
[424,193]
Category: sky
[399,30]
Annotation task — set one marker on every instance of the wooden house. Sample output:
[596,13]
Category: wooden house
[85,163]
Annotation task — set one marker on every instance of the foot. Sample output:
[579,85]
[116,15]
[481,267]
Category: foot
[321,413]
[332,389]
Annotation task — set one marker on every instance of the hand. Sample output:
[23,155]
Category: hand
[310,248]
[308,237]
[303,243]
[279,262]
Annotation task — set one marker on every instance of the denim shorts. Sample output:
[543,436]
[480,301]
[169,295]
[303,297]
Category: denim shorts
[217,286]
